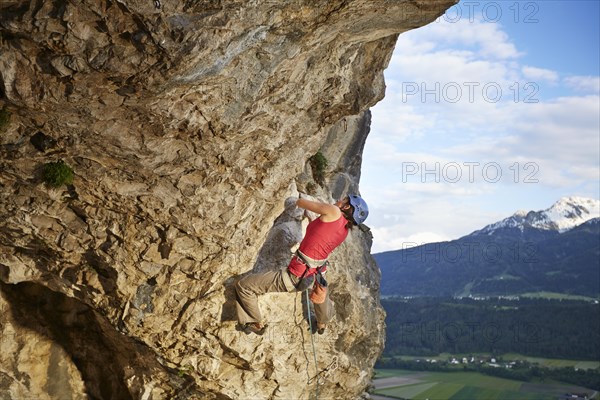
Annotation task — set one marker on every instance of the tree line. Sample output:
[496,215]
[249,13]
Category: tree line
[533,327]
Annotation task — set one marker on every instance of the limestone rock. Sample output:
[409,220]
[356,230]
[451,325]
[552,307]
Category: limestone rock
[187,124]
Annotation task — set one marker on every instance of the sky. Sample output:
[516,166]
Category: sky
[491,109]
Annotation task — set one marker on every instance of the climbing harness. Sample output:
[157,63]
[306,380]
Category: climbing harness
[306,282]
[312,339]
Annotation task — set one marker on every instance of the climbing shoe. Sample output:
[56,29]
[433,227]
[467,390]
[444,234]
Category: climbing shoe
[255,327]
[321,328]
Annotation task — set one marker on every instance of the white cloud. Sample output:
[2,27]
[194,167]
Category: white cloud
[408,216]
[478,53]
[585,84]
[389,238]
[544,148]
[488,40]
[537,74]
[564,130]
[399,123]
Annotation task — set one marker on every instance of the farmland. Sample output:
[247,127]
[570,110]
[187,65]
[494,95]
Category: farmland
[466,386]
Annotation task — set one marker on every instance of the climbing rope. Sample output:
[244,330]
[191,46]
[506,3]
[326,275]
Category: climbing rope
[312,339]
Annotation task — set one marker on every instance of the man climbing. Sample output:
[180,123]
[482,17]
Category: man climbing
[323,235]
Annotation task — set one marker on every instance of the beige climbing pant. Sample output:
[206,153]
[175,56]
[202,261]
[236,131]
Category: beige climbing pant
[251,286]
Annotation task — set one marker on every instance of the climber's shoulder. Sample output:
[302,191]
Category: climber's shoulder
[328,212]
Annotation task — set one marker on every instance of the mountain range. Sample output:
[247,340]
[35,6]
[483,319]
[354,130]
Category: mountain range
[554,250]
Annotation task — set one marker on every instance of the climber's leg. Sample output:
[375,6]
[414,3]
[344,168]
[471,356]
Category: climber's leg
[250,287]
[325,311]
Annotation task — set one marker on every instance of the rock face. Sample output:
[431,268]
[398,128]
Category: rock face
[187,124]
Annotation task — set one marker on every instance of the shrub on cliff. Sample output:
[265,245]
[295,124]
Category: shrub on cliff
[318,163]
[56,174]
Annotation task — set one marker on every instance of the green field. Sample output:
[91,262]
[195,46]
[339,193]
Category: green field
[463,386]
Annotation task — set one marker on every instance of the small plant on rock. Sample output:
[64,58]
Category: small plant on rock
[318,163]
[185,371]
[57,173]
[311,188]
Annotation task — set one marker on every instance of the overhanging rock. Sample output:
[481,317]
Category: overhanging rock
[186,124]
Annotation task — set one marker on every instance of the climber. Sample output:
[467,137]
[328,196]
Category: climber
[323,235]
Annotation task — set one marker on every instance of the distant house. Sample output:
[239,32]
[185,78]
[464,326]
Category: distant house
[574,396]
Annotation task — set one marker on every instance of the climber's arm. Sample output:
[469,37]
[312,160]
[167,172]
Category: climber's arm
[328,212]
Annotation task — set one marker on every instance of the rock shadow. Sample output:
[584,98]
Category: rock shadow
[112,365]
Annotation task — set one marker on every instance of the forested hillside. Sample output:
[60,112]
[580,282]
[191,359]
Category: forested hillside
[534,327]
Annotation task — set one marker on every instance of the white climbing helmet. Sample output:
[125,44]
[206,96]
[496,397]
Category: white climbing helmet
[361,210]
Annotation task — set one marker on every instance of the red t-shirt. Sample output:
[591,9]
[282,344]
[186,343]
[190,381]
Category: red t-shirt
[320,240]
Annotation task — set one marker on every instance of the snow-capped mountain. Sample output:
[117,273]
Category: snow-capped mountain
[565,214]
[554,250]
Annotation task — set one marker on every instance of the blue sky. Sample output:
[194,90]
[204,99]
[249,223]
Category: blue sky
[493,108]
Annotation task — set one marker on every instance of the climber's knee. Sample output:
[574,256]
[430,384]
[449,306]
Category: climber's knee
[239,286]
